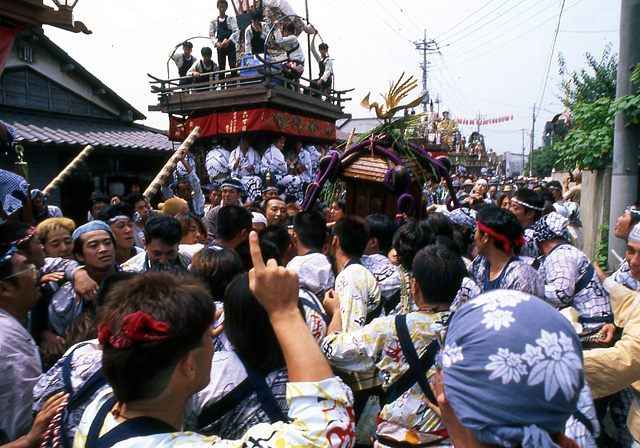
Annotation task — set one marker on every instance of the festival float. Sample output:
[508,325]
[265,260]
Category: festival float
[255,98]
[384,172]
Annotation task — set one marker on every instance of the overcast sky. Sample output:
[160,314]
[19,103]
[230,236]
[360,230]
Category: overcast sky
[495,56]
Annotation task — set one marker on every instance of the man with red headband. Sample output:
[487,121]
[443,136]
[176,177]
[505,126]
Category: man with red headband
[528,206]
[499,237]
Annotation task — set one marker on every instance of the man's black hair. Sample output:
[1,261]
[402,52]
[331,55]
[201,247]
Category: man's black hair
[95,198]
[414,235]
[438,224]
[547,195]
[14,231]
[439,273]
[382,227]
[206,51]
[342,204]
[353,235]
[186,43]
[256,14]
[231,220]
[503,222]
[166,229]
[290,199]
[531,197]
[132,198]
[248,328]
[269,250]
[323,46]
[311,229]
[410,237]
[290,27]
[278,235]
[118,209]
[555,184]
[635,217]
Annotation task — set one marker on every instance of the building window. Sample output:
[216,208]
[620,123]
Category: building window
[25,53]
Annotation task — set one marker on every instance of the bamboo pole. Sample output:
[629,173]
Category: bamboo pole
[168,168]
[55,183]
[353,131]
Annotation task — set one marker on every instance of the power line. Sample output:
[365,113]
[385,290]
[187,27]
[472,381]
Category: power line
[502,45]
[464,20]
[454,83]
[485,24]
[409,19]
[497,30]
[480,19]
[553,46]
[589,32]
[394,52]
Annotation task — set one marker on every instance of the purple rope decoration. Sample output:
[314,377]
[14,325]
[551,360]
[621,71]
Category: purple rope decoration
[314,188]
[441,171]
[333,169]
[405,207]
[387,183]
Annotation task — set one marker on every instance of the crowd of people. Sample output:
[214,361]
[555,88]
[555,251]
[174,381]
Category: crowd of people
[247,321]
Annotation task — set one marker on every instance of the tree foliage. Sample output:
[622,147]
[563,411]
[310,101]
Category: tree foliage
[590,142]
[590,94]
[545,160]
[590,84]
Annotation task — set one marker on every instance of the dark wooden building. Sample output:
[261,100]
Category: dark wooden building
[57,108]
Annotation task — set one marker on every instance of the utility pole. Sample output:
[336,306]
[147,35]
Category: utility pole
[624,179]
[426,47]
[479,117]
[533,130]
[523,164]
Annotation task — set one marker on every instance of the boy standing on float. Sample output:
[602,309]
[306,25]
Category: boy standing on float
[223,32]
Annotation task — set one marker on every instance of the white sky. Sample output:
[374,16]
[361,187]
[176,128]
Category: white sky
[493,60]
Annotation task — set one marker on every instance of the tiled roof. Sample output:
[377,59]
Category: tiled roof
[61,129]
[362,125]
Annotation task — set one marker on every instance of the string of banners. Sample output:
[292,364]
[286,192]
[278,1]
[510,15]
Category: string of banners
[485,121]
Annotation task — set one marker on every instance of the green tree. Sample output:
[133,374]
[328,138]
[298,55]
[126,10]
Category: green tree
[590,96]
[544,160]
[589,85]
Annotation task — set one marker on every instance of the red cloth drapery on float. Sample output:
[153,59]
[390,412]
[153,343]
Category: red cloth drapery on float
[7,36]
[260,119]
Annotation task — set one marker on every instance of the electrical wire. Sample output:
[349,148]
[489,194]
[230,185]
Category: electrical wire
[553,46]
[441,36]
[488,37]
[502,45]
[472,31]
[403,56]
[410,20]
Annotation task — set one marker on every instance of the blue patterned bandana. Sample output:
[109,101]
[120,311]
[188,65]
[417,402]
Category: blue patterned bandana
[515,353]
[634,235]
[466,217]
[90,227]
[552,226]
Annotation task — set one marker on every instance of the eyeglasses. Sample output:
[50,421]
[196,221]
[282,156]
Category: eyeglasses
[31,269]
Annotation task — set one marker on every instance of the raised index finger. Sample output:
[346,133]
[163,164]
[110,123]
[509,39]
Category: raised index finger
[256,253]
